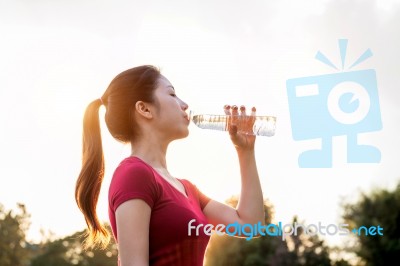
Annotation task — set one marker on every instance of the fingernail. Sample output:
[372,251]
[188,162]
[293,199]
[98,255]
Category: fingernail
[253,109]
[227,106]
[242,108]
[235,107]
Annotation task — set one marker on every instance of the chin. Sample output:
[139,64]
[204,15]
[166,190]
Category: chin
[186,133]
[183,134]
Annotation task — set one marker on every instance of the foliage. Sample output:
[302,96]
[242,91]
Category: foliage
[307,249]
[381,207]
[13,227]
[266,250]
[68,251]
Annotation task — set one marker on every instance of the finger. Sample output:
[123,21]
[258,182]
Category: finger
[253,111]
[235,114]
[242,119]
[253,117]
[227,110]
[243,110]
[235,110]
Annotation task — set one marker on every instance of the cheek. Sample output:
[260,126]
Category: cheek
[177,101]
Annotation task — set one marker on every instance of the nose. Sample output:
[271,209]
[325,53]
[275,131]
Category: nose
[184,106]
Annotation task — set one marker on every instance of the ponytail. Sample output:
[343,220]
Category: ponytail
[128,87]
[88,185]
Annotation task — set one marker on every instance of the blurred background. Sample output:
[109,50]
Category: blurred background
[57,56]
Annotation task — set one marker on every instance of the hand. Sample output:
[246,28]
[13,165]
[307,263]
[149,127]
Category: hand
[240,127]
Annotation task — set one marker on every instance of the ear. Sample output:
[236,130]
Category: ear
[143,109]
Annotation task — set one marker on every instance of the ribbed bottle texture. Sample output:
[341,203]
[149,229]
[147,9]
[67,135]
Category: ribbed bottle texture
[253,125]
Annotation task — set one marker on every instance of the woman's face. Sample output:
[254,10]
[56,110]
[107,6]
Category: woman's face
[171,116]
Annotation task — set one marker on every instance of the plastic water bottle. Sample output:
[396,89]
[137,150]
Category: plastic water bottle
[250,125]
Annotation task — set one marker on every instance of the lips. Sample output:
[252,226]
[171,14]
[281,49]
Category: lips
[187,119]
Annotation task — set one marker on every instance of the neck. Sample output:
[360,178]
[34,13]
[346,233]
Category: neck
[151,150]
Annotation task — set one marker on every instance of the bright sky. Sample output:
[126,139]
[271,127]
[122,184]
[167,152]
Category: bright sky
[57,56]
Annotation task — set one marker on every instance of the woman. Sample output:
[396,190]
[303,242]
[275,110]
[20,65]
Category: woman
[149,209]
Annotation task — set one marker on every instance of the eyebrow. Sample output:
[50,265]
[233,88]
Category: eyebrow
[170,86]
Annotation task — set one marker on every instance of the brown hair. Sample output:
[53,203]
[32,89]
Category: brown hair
[130,86]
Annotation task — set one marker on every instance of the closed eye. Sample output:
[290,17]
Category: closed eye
[173,94]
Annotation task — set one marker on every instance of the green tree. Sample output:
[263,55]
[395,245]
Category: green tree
[267,250]
[227,250]
[380,207]
[294,250]
[13,227]
[307,249]
[68,251]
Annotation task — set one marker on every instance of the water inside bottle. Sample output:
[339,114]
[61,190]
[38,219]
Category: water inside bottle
[215,122]
[258,125]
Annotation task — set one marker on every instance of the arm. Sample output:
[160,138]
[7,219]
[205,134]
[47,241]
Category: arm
[133,219]
[250,207]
